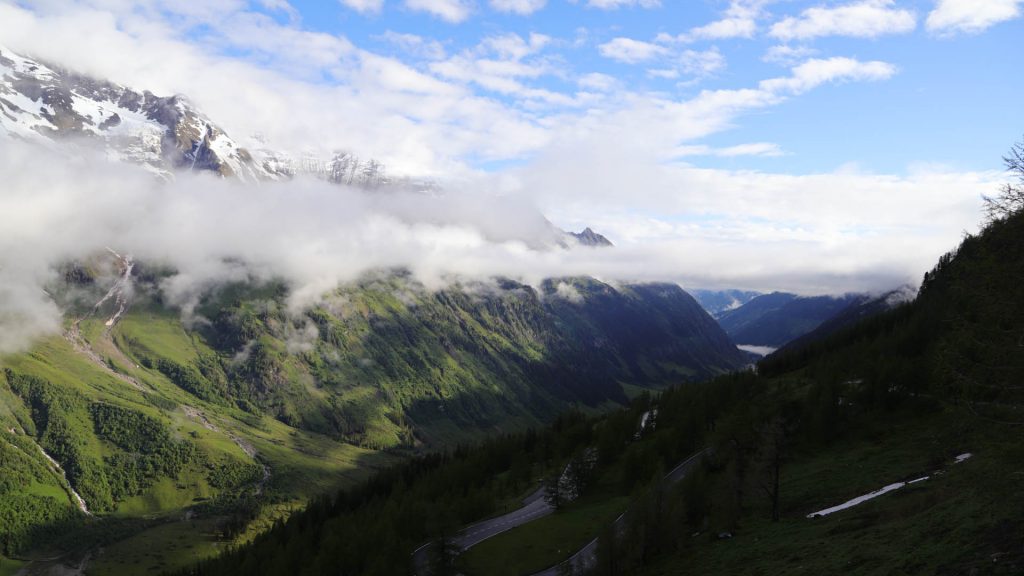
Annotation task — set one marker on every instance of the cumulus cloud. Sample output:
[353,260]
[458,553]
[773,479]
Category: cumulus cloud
[415,45]
[523,7]
[864,19]
[971,16]
[672,62]
[616,4]
[701,62]
[454,11]
[738,21]
[568,292]
[751,149]
[503,64]
[598,81]
[787,55]
[816,72]
[630,51]
[365,6]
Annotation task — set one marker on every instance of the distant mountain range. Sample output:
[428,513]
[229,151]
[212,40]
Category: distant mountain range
[777,319]
[718,302]
[862,307]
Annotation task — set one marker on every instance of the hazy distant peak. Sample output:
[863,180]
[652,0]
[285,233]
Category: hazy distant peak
[590,238]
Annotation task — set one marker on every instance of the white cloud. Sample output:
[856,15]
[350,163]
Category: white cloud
[819,233]
[752,149]
[515,46]
[701,62]
[454,11]
[414,45]
[738,21]
[816,233]
[816,72]
[568,292]
[616,4]
[863,19]
[653,126]
[788,55]
[726,28]
[523,7]
[663,73]
[971,16]
[630,51]
[282,6]
[598,81]
[503,64]
[673,63]
[284,47]
[365,6]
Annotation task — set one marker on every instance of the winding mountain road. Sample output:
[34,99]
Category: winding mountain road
[534,507]
[586,558]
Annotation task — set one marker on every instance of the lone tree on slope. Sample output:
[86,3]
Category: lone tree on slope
[1010,199]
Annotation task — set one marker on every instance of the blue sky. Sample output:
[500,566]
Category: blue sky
[953,100]
[806,145]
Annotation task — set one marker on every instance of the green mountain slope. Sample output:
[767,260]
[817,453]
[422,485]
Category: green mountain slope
[387,363]
[248,409]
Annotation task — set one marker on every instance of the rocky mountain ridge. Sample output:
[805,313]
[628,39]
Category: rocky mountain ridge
[47,104]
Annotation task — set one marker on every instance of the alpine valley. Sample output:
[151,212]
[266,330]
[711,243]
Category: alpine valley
[141,438]
[221,356]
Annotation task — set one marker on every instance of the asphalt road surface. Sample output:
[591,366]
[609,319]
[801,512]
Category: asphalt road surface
[587,556]
[534,507]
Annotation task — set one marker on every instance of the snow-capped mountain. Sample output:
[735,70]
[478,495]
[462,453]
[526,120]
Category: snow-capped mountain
[45,104]
[54,107]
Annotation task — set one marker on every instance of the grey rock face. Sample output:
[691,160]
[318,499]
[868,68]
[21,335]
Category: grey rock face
[46,103]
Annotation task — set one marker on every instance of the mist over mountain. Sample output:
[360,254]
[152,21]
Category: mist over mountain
[772,320]
[822,423]
[718,302]
[862,308]
[190,326]
[72,140]
[358,287]
[590,238]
